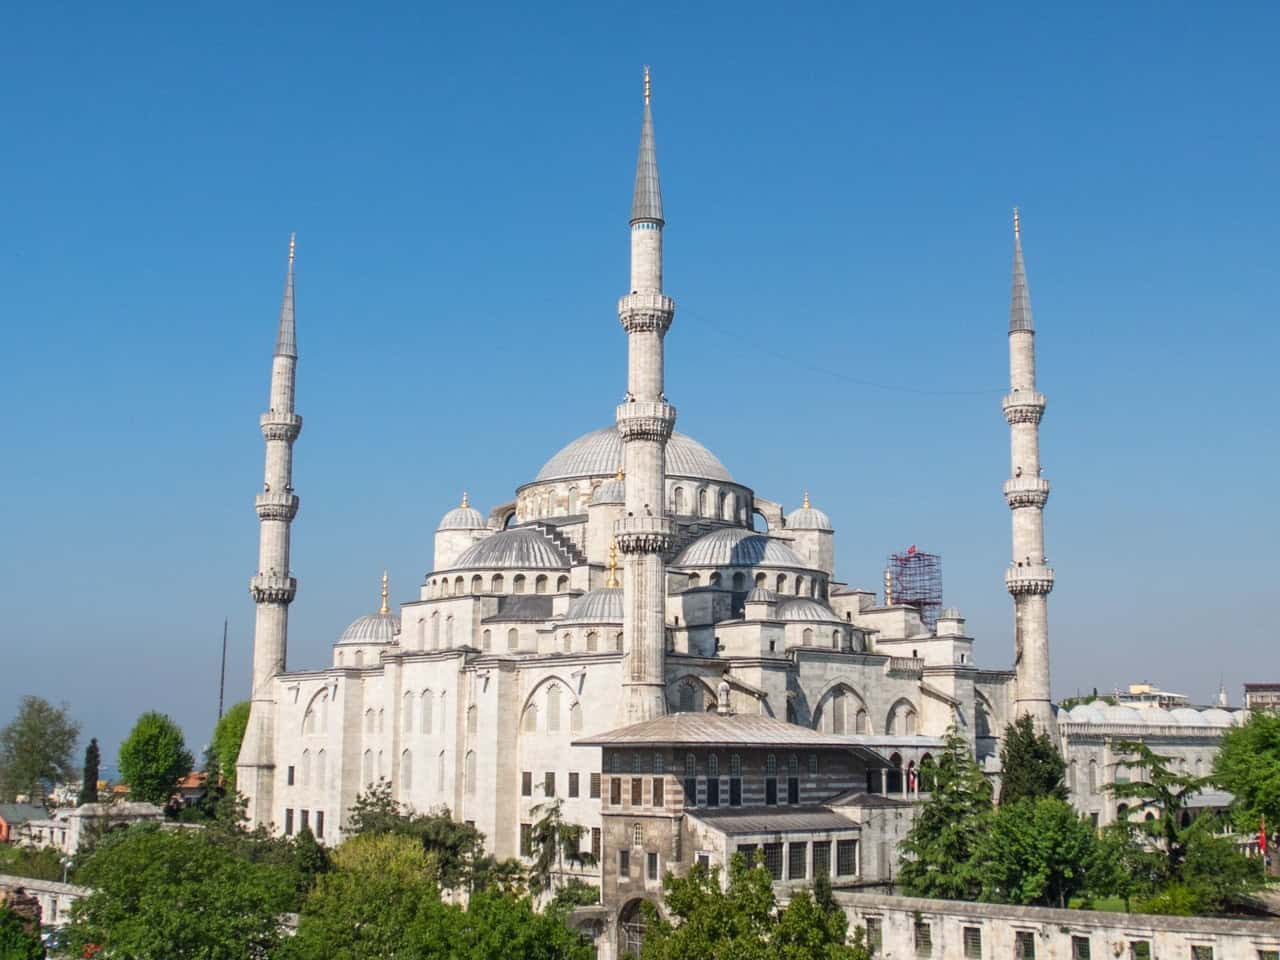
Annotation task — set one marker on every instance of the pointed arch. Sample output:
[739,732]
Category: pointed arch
[428,710]
[838,708]
[448,631]
[322,760]
[406,771]
[553,708]
[473,719]
[406,711]
[575,717]
[901,719]
[469,773]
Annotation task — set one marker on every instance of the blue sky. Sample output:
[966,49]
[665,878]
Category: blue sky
[838,181]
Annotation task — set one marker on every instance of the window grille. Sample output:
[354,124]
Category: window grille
[637,836]
[526,783]
[773,859]
[624,864]
[595,786]
[735,765]
[573,784]
[821,858]
[637,763]
[797,861]
[748,851]
[637,791]
[1024,945]
[771,766]
[923,938]
[659,763]
[690,765]
[615,791]
[973,943]
[651,865]
[1079,948]
[1139,950]
[658,793]
[846,858]
[1201,951]
[713,766]
[875,935]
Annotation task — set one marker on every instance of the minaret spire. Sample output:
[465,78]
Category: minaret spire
[1029,578]
[272,588]
[645,421]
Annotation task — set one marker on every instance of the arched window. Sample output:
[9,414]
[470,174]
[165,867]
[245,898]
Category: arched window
[573,501]
[1071,776]
[713,766]
[359,658]
[422,633]
[477,584]
[1093,776]
[617,641]
[687,694]
[321,760]
[893,776]
[928,772]
[838,714]
[575,717]
[305,772]
[566,642]
[835,640]
[529,723]
[728,507]
[469,773]
[911,723]
[739,581]
[771,766]
[473,719]
[497,584]
[702,501]
[428,710]
[513,639]
[435,630]
[367,767]
[339,658]
[406,711]
[860,722]
[720,505]
[440,770]
[382,767]
[677,501]
[690,765]
[517,583]
[458,587]
[793,766]
[562,584]
[406,771]
[540,584]
[448,631]
[593,641]
[782,583]
[807,637]
[735,765]
[799,586]
[637,836]
[486,639]
[370,721]
[553,708]
[309,721]
[715,580]
[382,716]
[695,580]
[444,586]
[637,762]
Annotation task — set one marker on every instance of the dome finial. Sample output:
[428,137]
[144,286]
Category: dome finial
[612,583]
[1017,225]
[620,475]
[384,609]
[647,88]
[805,505]
[464,500]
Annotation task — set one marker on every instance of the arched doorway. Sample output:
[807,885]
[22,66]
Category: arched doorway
[631,928]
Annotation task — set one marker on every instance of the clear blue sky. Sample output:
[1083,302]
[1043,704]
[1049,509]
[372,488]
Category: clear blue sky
[838,182]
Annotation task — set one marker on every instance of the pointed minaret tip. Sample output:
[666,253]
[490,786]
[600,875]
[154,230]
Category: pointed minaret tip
[1020,299]
[1017,225]
[286,337]
[648,89]
[384,609]
[646,203]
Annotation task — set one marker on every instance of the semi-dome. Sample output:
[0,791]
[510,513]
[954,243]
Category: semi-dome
[517,548]
[762,595]
[1213,717]
[735,547]
[600,452]
[1115,713]
[611,491]
[374,628]
[804,608]
[603,605]
[1187,716]
[464,517]
[808,517]
[1087,713]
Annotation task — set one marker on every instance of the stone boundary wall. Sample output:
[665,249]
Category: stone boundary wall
[1056,934]
[56,899]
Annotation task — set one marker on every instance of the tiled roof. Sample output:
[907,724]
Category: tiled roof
[12,813]
[775,820]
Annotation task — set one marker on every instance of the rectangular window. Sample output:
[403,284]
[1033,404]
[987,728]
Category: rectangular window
[771,790]
[651,865]
[549,783]
[793,790]
[1268,954]
[658,792]
[973,943]
[637,791]
[875,936]
[573,784]
[923,938]
[595,843]
[289,776]
[735,791]
[821,858]
[526,783]
[624,864]
[773,859]
[1201,951]
[1079,948]
[704,861]
[713,791]
[797,860]
[526,839]
[595,786]
[288,822]
[1139,950]
[305,817]
[615,791]
[690,791]
[846,858]
[1024,945]
[320,824]
[748,851]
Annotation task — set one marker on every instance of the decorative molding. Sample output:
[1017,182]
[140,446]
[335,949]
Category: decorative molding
[646,312]
[272,588]
[280,426]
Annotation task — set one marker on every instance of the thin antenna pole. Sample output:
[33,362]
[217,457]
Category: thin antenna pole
[222,675]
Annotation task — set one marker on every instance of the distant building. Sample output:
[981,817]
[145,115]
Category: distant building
[1146,694]
[67,829]
[1262,696]
[14,815]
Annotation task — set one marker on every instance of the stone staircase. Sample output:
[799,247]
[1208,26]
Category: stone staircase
[563,544]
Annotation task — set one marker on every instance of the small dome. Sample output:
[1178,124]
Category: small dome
[599,452]
[735,547]
[806,609]
[464,517]
[519,547]
[603,605]
[762,595]
[374,628]
[1213,717]
[1157,716]
[1114,713]
[807,517]
[1187,717]
[611,491]
[1085,713]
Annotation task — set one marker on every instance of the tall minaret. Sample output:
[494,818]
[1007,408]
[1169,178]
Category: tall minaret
[645,421]
[1029,577]
[272,588]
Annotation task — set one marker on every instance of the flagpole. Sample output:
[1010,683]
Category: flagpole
[222,674]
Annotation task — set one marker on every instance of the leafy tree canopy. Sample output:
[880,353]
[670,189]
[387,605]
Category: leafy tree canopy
[938,852]
[555,843]
[38,863]
[16,941]
[36,748]
[1031,766]
[89,776]
[1155,784]
[154,758]
[1035,853]
[1248,765]
[224,749]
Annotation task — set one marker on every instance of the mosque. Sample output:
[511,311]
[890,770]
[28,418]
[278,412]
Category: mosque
[630,578]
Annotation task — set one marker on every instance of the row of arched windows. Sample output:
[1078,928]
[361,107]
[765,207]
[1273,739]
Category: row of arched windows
[843,711]
[802,585]
[701,503]
[419,712]
[316,718]
[548,716]
[320,769]
[497,583]
[406,770]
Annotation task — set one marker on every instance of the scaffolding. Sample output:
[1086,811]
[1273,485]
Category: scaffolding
[913,578]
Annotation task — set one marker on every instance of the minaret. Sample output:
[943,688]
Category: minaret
[272,588]
[1029,578]
[645,421]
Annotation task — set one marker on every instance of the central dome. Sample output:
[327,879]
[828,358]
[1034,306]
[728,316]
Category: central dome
[599,453]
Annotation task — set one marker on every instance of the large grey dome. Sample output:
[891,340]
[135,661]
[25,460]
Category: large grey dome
[518,548]
[374,628]
[599,606]
[599,453]
[735,547]
[803,608]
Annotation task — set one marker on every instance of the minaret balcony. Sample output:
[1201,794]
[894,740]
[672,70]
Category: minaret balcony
[277,425]
[1023,406]
[272,588]
[276,506]
[1026,492]
[646,420]
[646,312]
[1029,579]
[644,534]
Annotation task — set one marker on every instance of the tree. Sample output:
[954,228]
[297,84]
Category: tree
[574,893]
[555,840]
[37,863]
[1035,853]
[154,758]
[17,942]
[1248,765]
[89,778]
[1163,789]
[1217,875]
[161,894]
[224,749]
[1122,866]
[495,927]
[938,851]
[1031,766]
[36,748]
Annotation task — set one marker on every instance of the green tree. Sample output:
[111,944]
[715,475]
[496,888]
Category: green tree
[1248,765]
[36,748]
[154,758]
[938,852]
[38,863]
[1031,766]
[495,927]
[1158,785]
[1217,875]
[17,942]
[1123,866]
[310,858]
[1035,853]
[224,749]
[555,841]
[161,894]
[574,893]
[89,776]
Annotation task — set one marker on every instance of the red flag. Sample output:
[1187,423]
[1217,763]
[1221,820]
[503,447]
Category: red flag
[1262,836]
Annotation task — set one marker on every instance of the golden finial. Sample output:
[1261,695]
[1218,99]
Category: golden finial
[888,587]
[1017,225]
[612,582]
[464,500]
[646,85]
[805,505]
[293,240]
[384,609]
[620,473]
